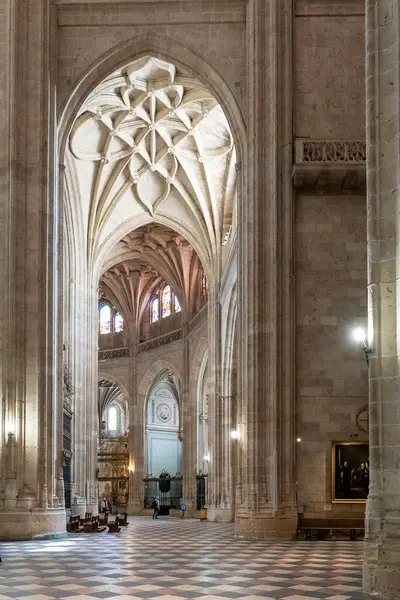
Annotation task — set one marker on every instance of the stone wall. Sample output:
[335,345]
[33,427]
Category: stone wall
[329,63]
[215,30]
[331,299]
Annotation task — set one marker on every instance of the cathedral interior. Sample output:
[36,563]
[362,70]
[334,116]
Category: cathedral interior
[199,298]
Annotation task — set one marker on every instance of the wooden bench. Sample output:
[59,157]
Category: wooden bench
[86,519]
[316,528]
[74,525]
[92,526]
[114,527]
[103,519]
[123,520]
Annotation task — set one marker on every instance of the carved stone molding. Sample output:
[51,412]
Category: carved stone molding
[132,13]
[68,388]
[115,353]
[330,166]
[159,341]
[113,444]
[319,8]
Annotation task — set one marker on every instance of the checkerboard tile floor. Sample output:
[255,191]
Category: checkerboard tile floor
[171,559]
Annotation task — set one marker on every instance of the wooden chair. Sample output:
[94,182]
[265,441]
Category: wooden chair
[96,525]
[123,521]
[74,525]
[103,519]
[92,526]
[88,526]
[114,527]
[88,517]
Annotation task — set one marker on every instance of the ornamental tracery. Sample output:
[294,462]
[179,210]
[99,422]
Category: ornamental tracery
[151,129]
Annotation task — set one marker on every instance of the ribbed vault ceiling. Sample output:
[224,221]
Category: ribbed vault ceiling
[152,144]
[142,261]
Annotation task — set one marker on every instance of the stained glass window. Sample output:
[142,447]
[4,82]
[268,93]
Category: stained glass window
[105,319]
[118,323]
[166,302]
[203,284]
[177,306]
[154,310]
[112,418]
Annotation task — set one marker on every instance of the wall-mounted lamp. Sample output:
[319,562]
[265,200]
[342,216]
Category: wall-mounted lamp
[130,469]
[360,336]
[235,434]
[207,458]
[10,429]
[298,440]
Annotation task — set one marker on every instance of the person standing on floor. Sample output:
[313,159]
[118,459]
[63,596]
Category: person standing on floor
[182,506]
[155,505]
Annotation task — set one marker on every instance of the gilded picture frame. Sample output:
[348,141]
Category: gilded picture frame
[350,472]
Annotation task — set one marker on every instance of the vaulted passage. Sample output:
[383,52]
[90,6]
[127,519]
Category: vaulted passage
[151,224]
[199,297]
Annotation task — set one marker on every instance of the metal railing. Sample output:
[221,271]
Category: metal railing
[202,490]
[169,491]
[167,488]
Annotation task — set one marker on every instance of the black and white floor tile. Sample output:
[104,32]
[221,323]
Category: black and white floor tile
[174,559]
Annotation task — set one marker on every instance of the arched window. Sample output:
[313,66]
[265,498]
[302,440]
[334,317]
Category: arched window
[203,284]
[105,319]
[118,323]
[112,418]
[177,306]
[166,302]
[169,304]
[154,310]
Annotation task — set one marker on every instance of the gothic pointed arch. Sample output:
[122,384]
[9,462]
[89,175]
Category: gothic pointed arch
[164,50]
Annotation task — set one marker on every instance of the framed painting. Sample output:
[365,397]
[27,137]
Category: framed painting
[350,472]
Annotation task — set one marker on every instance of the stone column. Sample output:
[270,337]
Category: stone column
[382,539]
[80,331]
[203,442]
[214,403]
[189,429]
[227,449]
[32,399]
[136,428]
[266,448]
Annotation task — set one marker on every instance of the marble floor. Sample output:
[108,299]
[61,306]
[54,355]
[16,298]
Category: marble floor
[174,559]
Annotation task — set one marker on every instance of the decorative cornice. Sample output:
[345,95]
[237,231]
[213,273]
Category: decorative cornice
[148,12]
[160,341]
[114,353]
[330,8]
[330,166]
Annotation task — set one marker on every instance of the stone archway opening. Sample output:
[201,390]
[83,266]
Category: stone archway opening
[151,188]
[112,471]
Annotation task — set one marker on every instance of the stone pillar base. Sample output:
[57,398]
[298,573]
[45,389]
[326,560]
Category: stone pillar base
[381,572]
[220,515]
[264,528]
[381,585]
[36,524]
[135,509]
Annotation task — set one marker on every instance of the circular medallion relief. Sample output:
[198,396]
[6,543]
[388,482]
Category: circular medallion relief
[362,419]
[164,413]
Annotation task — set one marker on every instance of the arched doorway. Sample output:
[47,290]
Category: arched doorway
[163,439]
[112,471]
[163,444]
